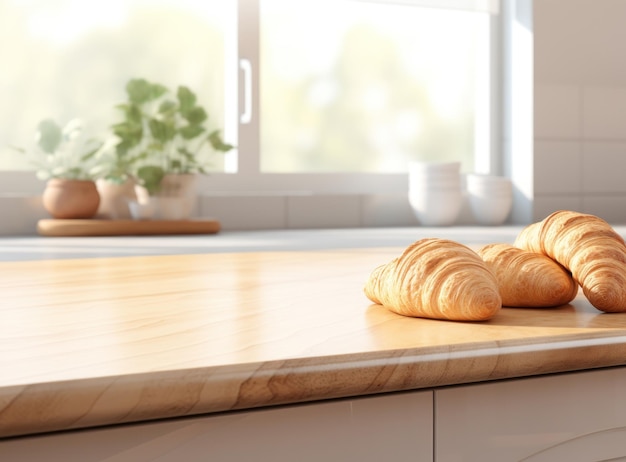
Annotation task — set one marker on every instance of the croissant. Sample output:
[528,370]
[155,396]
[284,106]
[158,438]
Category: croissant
[589,248]
[527,278]
[438,279]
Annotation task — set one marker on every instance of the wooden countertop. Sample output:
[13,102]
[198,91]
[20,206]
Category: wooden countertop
[99,341]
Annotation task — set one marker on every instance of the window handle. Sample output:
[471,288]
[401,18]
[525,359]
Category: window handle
[246,67]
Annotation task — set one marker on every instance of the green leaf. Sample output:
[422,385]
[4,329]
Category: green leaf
[141,91]
[156,146]
[129,133]
[195,116]
[91,153]
[150,177]
[167,107]
[186,98]
[162,131]
[134,115]
[49,135]
[18,149]
[127,162]
[132,112]
[186,154]
[138,91]
[218,144]
[73,173]
[189,132]
[142,156]
[157,90]
[176,165]
[127,129]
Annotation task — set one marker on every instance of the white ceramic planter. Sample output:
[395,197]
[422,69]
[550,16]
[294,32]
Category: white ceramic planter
[176,197]
[115,199]
[175,200]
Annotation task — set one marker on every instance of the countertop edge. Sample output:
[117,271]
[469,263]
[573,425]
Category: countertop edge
[104,401]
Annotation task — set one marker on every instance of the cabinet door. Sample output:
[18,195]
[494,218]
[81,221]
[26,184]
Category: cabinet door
[395,427]
[568,417]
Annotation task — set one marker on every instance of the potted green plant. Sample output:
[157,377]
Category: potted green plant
[67,162]
[166,138]
[115,184]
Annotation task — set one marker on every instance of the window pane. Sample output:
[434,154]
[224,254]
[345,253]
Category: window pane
[68,59]
[353,86]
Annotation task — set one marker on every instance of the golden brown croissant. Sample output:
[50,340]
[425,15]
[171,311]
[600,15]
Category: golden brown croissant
[528,279]
[438,279]
[588,247]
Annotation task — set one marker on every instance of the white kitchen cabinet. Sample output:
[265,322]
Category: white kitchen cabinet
[393,427]
[572,417]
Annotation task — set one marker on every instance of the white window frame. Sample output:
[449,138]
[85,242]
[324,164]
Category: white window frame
[249,178]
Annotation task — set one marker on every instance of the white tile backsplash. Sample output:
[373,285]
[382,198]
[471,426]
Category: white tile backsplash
[557,167]
[604,167]
[545,205]
[580,108]
[604,114]
[611,208]
[246,212]
[387,210]
[327,211]
[557,111]
[579,41]
[20,214]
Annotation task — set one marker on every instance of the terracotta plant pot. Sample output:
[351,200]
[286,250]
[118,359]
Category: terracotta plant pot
[71,198]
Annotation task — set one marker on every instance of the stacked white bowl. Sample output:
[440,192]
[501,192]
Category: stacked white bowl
[435,192]
[490,198]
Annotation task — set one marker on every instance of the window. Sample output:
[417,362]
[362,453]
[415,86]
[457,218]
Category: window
[318,95]
[354,86]
[64,59]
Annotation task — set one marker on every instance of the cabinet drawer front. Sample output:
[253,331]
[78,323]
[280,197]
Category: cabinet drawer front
[573,417]
[388,427]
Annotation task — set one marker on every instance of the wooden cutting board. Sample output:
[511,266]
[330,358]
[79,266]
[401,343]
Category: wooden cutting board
[95,227]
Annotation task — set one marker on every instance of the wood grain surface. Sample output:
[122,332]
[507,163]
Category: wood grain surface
[97,341]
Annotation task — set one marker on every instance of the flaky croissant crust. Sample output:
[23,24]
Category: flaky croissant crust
[438,279]
[527,278]
[588,247]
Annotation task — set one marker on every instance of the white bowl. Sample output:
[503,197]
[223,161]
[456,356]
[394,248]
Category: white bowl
[488,185]
[434,167]
[484,178]
[485,191]
[428,182]
[417,172]
[421,179]
[430,185]
[436,208]
[474,180]
[489,210]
